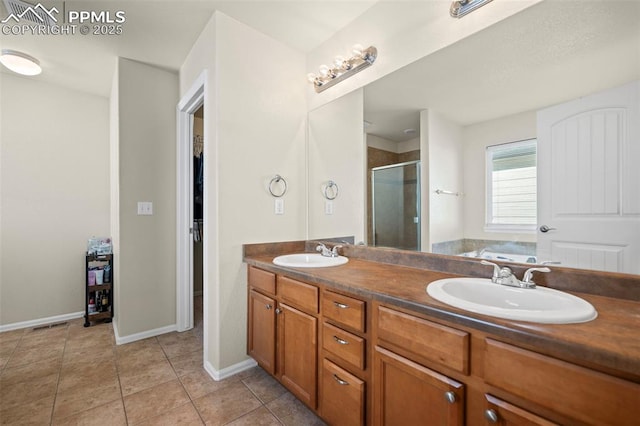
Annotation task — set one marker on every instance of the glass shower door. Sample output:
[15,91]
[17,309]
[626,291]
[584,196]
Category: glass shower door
[395,193]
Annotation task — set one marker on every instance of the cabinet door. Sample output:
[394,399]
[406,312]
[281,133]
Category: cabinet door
[261,340]
[499,412]
[407,393]
[297,350]
[342,397]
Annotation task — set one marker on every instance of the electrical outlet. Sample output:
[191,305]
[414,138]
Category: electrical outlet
[279,206]
[145,208]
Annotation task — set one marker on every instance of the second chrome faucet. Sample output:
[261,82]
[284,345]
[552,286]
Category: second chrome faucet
[505,276]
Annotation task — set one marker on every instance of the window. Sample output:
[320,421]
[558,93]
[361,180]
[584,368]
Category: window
[512,187]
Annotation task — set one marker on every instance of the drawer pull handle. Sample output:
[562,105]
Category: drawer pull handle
[339,340]
[491,416]
[339,380]
[340,305]
[450,397]
[268,306]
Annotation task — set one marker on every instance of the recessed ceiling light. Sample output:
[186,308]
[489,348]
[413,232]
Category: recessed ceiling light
[19,62]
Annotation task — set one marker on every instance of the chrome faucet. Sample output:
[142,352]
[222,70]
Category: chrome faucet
[504,276]
[328,253]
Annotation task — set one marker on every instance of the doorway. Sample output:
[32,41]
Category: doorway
[197,191]
[191,228]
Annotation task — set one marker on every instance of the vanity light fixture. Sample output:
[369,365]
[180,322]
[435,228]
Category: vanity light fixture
[19,62]
[343,68]
[459,8]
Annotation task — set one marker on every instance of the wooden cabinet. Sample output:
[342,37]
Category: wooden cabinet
[407,393]
[343,396]
[499,412]
[282,331]
[363,362]
[581,394]
[99,288]
[261,342]
[298,349]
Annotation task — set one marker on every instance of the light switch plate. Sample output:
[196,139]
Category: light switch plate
[278,206]
[145,208]
[328,207]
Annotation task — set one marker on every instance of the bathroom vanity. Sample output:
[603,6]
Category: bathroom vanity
[363,343]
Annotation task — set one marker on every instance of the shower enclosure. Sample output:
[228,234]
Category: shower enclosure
[395,201]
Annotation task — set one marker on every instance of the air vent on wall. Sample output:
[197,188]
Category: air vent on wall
[20,11]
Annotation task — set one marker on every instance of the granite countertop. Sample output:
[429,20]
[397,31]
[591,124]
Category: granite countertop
[610,343]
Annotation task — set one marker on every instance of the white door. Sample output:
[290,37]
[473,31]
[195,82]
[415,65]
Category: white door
[589,181]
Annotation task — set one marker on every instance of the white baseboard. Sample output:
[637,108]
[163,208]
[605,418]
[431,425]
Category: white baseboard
[229,371]
[41,321]
[121,340]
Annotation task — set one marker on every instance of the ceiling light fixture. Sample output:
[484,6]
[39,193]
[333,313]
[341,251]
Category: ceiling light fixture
[343,68]
[19,62]
[460,8]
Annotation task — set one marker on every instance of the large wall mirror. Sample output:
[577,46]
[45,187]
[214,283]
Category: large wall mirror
[544,107]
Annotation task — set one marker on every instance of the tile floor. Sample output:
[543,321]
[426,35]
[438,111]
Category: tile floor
[71,375]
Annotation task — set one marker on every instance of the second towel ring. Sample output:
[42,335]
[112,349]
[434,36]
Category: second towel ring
[277,179]
[333,187]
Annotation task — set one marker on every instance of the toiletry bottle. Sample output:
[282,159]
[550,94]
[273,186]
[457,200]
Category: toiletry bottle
[104,303]
[92,306]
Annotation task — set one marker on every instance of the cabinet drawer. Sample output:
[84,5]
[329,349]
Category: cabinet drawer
[510,415]
[345,345]
[424,340]
[263,280]
[301,295]
[344,310]
[582,394]
[342,396]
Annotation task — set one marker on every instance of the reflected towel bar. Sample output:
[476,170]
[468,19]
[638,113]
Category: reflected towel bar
[442,191]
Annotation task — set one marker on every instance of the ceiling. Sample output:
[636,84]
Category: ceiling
[547,54]
[162,32]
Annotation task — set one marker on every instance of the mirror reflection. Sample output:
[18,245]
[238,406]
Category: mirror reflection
[560,75]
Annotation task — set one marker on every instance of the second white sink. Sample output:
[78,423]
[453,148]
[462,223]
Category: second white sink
[541,304]
[309,260]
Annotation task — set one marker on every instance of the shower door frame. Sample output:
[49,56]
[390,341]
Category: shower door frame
[418,201]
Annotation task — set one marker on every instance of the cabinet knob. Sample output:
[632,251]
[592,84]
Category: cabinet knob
[339,380]
[450,397]
[278,311]
[268,306]
[491,415]
[340,305]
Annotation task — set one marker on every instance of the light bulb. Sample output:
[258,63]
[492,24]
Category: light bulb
[311,77]
[339,61]
[356,50]
[324,70]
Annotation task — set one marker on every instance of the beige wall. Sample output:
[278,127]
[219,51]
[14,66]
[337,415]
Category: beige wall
[337,150]
[476,138]
[146,291]
[54,195]
[443,149]
[255,128]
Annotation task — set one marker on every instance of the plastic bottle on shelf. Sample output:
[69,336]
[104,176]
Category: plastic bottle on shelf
[92,306]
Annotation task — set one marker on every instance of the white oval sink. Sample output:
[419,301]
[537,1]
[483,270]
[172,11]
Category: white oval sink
[540,304]
[309,260]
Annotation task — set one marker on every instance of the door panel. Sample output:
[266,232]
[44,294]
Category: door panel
[589,181]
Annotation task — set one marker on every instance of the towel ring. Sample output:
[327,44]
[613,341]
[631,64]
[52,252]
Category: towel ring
[331,185]
[275,180]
